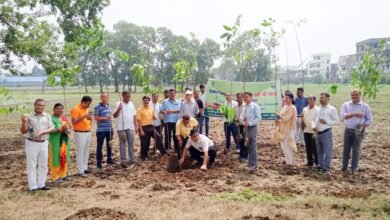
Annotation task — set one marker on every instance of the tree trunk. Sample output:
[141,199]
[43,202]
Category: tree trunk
[43,86]
[116,83]
[100,85]
[84,74]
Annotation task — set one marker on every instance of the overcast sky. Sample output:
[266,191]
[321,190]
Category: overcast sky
[333,26]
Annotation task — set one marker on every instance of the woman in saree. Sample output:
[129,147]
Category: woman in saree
[59,146]
[285,130]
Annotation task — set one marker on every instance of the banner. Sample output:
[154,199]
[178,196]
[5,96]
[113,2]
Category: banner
[263,94]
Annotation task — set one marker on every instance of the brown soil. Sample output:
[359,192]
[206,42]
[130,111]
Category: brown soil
[101,214]
[163,177]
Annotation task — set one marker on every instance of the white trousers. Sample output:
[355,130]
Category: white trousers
[287,151]
[299,138]
[83,141]
[37,159]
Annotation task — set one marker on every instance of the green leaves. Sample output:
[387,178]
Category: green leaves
[227,28]
[65,76]
[14,107]
[24,30]
[367,75]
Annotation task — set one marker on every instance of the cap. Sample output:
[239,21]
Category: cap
[189,93]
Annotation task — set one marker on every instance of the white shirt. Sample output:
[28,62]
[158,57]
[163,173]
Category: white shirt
[307,118]
[201,145]
[156,108]
[126,116]
[328,113]
[238,109]
[202,96]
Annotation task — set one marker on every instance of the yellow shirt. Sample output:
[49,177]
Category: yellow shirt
[145,116]
[183,130]
[77,112]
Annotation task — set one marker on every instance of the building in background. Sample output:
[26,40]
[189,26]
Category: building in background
[334,75]
[345,65]
[374,43]
[319,66]
[292,74]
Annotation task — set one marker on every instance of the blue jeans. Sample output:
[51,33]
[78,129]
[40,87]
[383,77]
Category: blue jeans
[325,149]
[352,142]
[200,120]
[101,136]
[231,129]
[252,148]
[206,123]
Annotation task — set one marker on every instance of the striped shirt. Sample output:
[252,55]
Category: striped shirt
[103,111]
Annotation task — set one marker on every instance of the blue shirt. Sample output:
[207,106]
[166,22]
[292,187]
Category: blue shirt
[350,107]
[299,106]
[171,106]
[103,111]
[251,113]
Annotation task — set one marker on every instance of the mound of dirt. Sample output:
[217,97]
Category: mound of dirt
[100,213]
[277,217]
[172,164]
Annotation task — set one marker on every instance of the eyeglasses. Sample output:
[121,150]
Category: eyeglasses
[186,117]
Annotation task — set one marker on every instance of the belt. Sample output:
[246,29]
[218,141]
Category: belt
[39,141]
[326,130]
[82,131]
[299,116]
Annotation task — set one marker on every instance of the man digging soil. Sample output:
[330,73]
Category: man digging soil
[201,149]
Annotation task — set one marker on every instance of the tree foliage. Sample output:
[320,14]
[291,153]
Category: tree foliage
[26,33]
[367,75]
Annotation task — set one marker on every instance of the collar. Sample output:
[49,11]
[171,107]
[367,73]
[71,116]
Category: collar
[80,106]
[36,114]
[100,103]
[359,103]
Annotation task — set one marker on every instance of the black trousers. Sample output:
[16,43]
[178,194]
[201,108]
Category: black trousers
[198,156]
[311,149]
[170,133]
[243,148]
[150,132]
[101,136]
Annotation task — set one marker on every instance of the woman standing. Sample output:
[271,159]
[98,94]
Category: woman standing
[59,146]
[284,134]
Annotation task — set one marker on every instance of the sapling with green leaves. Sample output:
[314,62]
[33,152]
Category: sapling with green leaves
[366,76]
[66,76]
[15,106]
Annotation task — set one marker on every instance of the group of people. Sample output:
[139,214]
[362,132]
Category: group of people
[302,122]
[180,122]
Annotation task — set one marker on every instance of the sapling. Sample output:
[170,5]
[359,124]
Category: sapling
[366,76]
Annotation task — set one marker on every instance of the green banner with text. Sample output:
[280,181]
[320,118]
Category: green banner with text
[264,94]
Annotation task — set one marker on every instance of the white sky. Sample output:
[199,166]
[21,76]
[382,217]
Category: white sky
[333,26]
